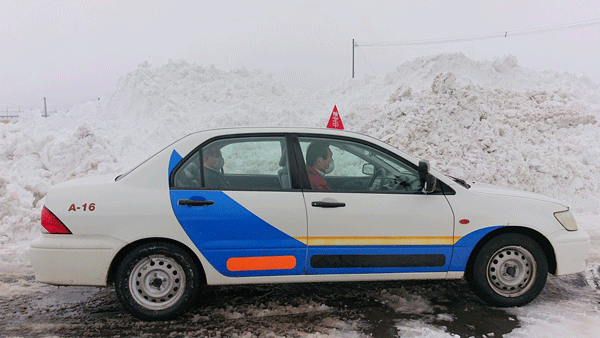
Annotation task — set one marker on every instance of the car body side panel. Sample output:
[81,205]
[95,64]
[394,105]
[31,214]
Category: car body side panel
[481,210]
[73,259]
[484,210]
[464,247]
[226,231]
[134,208]
[379,232]
[570,248]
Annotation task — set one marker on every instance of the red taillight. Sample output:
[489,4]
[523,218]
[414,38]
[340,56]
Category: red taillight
[52,223]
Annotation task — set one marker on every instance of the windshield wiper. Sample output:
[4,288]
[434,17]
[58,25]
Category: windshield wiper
[460,181]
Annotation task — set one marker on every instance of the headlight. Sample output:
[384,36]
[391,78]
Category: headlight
[566,219]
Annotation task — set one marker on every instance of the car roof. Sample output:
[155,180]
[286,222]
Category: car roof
[270,130]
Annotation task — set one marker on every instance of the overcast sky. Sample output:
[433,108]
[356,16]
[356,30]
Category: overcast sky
[70,51]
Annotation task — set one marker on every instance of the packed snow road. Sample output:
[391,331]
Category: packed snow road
[568,305]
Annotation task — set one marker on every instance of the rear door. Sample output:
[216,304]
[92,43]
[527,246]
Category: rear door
[246,217]
[375,218]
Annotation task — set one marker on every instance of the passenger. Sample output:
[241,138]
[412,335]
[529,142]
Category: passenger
[213,162]
[319,162]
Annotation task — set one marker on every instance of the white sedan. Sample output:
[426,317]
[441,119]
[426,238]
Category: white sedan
[288,205]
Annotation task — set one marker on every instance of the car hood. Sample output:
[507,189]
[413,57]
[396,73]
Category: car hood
[489,189]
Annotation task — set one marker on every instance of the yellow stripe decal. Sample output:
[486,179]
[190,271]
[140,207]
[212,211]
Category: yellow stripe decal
[424,240]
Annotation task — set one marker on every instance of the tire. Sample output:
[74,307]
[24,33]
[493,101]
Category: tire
[157,281]
[509,270]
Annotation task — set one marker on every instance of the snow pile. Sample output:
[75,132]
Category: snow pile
[541,141]
[502,73]
[35,154]
[489,121]
[207,97]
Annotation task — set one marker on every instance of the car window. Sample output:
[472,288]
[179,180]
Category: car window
[188,174]
[251,163]
[356,167]
[346,163]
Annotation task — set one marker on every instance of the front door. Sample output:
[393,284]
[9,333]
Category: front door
[372,216]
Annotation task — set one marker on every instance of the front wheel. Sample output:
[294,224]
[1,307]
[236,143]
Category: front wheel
[509,270]
[157,281]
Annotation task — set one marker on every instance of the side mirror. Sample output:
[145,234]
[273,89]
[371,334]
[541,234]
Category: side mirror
[423,168]
[368,169]
[430,184]
[428,181]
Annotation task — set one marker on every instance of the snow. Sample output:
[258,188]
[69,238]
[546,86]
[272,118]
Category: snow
[487,121]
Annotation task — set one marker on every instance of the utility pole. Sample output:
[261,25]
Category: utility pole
[353,58]
[45,109]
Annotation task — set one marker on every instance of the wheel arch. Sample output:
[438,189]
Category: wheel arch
[114,265]
[531,233]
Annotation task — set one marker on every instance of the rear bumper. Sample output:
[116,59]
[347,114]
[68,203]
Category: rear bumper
[73,259]
[570,248]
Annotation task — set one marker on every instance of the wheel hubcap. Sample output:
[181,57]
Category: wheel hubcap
[157,282]
[511,271]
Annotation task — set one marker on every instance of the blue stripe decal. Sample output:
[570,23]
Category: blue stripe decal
[464,247]
[173,161]
[226,229]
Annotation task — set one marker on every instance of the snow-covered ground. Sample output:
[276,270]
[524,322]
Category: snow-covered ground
[485,121]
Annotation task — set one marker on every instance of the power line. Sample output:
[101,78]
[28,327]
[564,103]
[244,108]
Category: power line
[505,34]
[369,63]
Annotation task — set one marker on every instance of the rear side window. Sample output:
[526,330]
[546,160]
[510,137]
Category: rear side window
[249,163]
[188,175]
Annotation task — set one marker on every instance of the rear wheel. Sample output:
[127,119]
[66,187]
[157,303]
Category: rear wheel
[509,270]
[157,281]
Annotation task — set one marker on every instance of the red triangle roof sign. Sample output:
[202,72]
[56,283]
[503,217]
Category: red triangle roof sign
[335,121]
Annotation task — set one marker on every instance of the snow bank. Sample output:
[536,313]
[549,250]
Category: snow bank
[541,141]
[489,121]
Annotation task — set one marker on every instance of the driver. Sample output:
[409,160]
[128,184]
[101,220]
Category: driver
[319,162]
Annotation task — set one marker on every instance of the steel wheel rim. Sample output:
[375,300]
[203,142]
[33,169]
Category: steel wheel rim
[157,282]
[511,271]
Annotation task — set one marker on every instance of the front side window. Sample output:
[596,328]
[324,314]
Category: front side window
[250,163]
[341,165]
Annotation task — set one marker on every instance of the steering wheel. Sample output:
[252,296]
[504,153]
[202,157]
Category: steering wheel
[373,184]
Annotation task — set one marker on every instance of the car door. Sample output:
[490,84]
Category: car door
[375,217]
[234,198]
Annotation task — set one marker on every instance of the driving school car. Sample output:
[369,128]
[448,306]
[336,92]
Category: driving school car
[183,219]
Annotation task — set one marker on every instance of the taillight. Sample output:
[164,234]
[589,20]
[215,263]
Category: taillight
[51,223]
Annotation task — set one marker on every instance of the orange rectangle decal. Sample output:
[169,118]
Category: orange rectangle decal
[261,263]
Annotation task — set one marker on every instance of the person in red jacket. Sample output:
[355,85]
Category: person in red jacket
[319,162]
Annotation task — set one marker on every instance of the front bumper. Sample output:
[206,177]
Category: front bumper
[570,248]
[73,259]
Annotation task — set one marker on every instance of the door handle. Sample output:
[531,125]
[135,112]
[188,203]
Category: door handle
[322,204]
[193,203]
